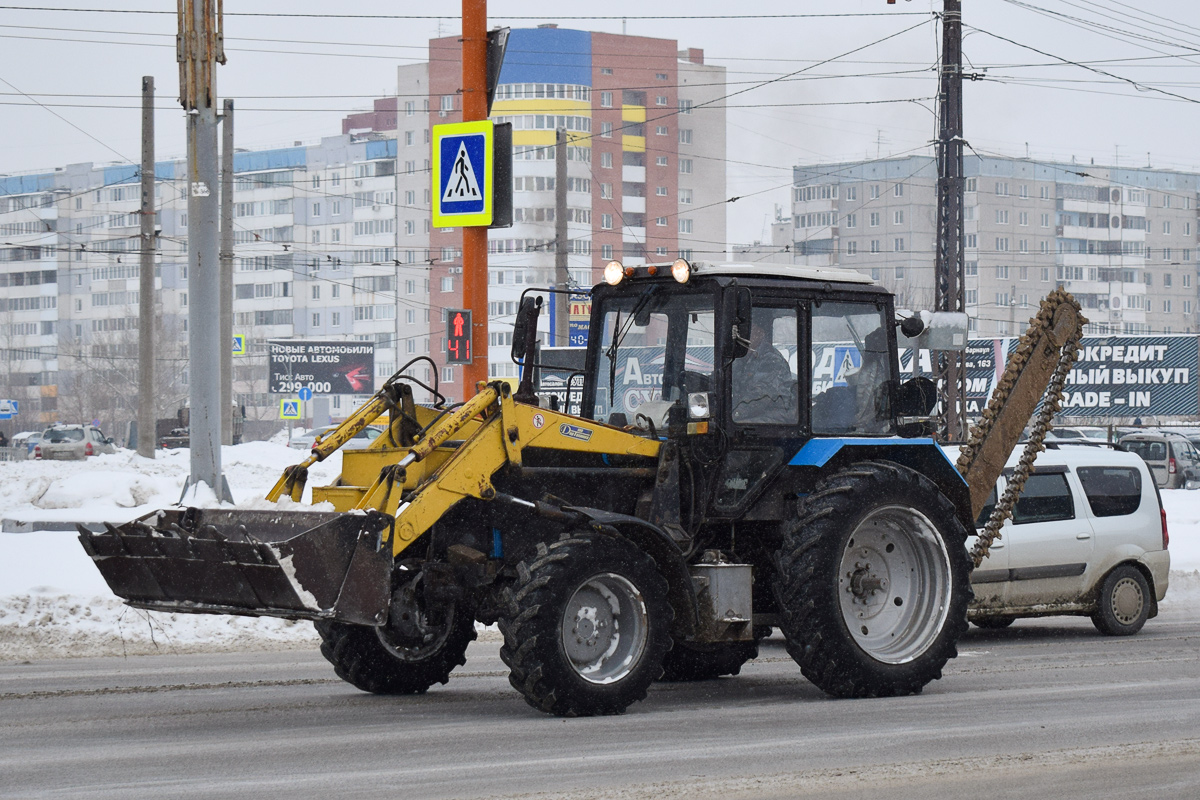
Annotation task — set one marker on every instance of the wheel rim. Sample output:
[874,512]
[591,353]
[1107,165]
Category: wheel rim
[1127,601]
[894,584]
[604,628]
[410,635]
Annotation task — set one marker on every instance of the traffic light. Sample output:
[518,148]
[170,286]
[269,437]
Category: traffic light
[458,336]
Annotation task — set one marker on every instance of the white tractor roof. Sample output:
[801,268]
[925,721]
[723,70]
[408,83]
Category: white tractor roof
[781,271]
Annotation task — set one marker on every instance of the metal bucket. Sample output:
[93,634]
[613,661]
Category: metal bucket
[291,564]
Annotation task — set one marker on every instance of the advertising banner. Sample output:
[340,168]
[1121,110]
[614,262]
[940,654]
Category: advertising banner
[324,367]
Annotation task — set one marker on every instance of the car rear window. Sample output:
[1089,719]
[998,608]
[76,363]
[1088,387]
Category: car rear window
[69,435]
[1149,451]
[1111,491]
[1045,498]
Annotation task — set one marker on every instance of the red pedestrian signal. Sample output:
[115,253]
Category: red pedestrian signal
[458,336]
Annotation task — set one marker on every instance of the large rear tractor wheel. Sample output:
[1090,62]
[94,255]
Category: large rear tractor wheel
[690,661]
[419,646]
[587,626]
[874,582]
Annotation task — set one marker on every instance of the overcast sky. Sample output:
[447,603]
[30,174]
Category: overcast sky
[295,78]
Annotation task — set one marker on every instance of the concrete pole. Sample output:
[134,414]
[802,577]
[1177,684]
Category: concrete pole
[200,42]
[146,395]
[227,273]
[561,275]
[475,257]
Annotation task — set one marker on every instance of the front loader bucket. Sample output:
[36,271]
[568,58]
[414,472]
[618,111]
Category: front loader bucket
[292,564]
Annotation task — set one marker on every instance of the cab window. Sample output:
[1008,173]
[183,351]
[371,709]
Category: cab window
[851,369]
[764,387]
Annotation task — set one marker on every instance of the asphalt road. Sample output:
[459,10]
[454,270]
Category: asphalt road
[1043,709]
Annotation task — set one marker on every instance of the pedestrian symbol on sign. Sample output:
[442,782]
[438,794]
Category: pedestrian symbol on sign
[289,409]
[463,185]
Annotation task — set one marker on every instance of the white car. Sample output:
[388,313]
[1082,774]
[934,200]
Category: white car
[1088,537]
[305,441]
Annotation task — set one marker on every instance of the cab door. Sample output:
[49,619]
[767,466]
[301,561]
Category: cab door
[1050,541]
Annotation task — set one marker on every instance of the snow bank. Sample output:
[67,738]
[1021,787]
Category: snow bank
[53,602]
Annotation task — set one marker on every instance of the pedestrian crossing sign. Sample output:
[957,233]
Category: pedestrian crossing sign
[462,174]
[289,409]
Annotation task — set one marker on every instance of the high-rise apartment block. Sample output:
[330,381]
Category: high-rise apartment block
[1121,240]
[333,240]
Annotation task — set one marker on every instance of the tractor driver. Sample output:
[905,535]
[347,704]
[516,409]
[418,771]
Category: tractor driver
[764,388]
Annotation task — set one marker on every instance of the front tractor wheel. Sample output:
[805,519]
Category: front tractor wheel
[874,582]
[586,626]
[420,645]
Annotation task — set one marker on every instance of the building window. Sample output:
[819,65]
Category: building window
[852,220]
[685,197]
[1167,227]
[685,166]
[851,248]
[1001,244]
[606,129]
[874,191]
[335,319]
[685,106]
[1023,192]
[606,221]
[898,217]
[660,191]
[685,226]
[316,292]
[447,284]
[874,245]
[1001,216]
[1002,272]
[316,237]
[972,184]
[660,100]
[1023,218]
[660,222]
[661,161]
[606,191]
[606,99]
[1045,220]
[1167,280]
[606,160]
[606,71]
[316,209]
[606,252]
[851,192]
[447,374]
[316,320]
[898,245]
[873,219]
[316,181]
[685,136]
[898,191]
[660,130]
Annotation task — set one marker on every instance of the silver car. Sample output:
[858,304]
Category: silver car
[360,441]
[72,443]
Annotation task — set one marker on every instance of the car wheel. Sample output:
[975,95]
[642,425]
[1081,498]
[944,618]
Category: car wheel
[993,623]
[1124,603]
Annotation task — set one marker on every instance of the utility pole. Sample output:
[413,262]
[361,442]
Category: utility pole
[475,256]
[200,49]
[948,267]
[227,273]
[146,433]
[561,275]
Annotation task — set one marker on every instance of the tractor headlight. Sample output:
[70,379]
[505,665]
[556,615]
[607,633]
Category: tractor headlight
[698,405]
[681,270]
[613,273]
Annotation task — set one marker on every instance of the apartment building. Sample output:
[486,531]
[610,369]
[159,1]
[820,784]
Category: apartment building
[1121,240]
[333,240]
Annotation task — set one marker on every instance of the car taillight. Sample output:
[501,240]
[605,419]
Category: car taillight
[37,451]
[1171,466]
[1166,536]
[87,449]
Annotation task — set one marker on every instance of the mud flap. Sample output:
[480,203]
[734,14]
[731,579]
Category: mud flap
[291,564]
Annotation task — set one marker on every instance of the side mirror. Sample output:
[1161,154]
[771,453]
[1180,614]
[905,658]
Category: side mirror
[525,328]
[737,310]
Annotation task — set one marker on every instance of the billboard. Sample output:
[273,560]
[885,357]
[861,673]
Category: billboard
[324,367]
[1114,378]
